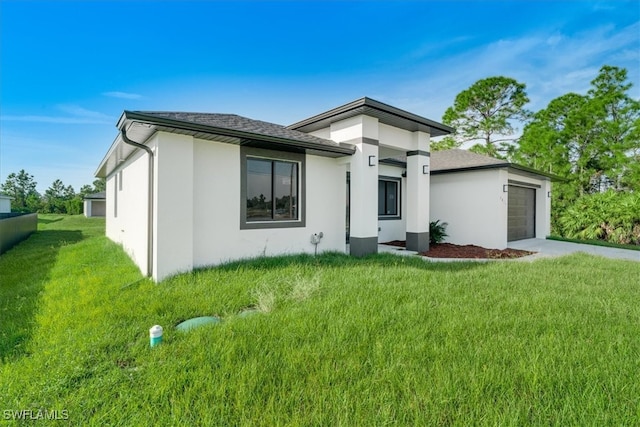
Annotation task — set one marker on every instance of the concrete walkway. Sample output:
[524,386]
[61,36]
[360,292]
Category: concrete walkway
[543,247]
[550,248]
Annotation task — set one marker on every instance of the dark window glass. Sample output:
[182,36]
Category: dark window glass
[392,198]
[259,203]
[272,190]
[285,187]
[387,198]
[382,197]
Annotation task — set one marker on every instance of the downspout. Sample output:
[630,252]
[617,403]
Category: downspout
[123,133]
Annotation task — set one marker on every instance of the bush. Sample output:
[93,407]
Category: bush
[437,232]
[609,216]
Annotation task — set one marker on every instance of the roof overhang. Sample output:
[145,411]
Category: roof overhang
[141,127]
[512,167]
[96,196]
[385,113]
[527,171]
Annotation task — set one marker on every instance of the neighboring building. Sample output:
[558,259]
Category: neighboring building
[95,205]
[191,189]
[5,203]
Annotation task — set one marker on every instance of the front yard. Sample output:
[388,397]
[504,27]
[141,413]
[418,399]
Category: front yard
[383,340]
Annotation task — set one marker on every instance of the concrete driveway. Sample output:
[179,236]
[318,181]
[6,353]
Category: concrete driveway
[555,248]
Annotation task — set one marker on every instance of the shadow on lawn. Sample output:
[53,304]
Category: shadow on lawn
[45,221]
[24,270]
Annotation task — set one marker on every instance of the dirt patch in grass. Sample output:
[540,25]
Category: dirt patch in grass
[449,250]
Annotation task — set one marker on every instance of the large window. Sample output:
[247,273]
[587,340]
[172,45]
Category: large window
[388,198]
[271,189]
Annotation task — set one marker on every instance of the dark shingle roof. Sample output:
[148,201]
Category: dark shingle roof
[457,160]
[98,195]
[453,160]
[462,159]
[233,122]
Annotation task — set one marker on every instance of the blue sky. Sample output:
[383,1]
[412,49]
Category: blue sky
[69,68]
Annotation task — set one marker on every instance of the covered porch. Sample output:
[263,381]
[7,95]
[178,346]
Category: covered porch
[388,199]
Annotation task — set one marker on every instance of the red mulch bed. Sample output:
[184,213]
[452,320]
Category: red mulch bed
[449,250]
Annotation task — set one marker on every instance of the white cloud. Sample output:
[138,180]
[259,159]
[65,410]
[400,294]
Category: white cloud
[52,119]
[551,64]
[75,115]
[76,110]
[122,95]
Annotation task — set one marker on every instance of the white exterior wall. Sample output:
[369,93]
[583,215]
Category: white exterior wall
[543,202]
[355,127]
[474,205]
[543,210]
[394,229]
[87,209]
[129,227]
[173,205]
[397,138]
[197,208]
[217,236]
[326,195]
[5,204]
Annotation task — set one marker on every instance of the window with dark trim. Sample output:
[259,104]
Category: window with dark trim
[272,190]
[272,185]
[388,198]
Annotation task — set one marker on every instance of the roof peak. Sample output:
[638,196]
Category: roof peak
[385,113]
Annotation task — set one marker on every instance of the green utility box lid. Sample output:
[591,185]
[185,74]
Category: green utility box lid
[197,321]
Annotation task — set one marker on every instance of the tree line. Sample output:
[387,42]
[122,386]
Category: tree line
[590,141]
[58,198]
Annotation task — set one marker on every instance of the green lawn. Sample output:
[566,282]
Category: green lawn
[383,340]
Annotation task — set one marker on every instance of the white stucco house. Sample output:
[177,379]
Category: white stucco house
[194,189]
[95,205]
[5,203]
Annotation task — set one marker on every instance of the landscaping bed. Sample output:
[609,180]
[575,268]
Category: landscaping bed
[449,250]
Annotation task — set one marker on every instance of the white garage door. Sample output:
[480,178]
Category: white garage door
[521,213]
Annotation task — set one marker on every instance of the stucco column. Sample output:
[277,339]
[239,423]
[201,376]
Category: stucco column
[418,194]
[362,132]
[363,239]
